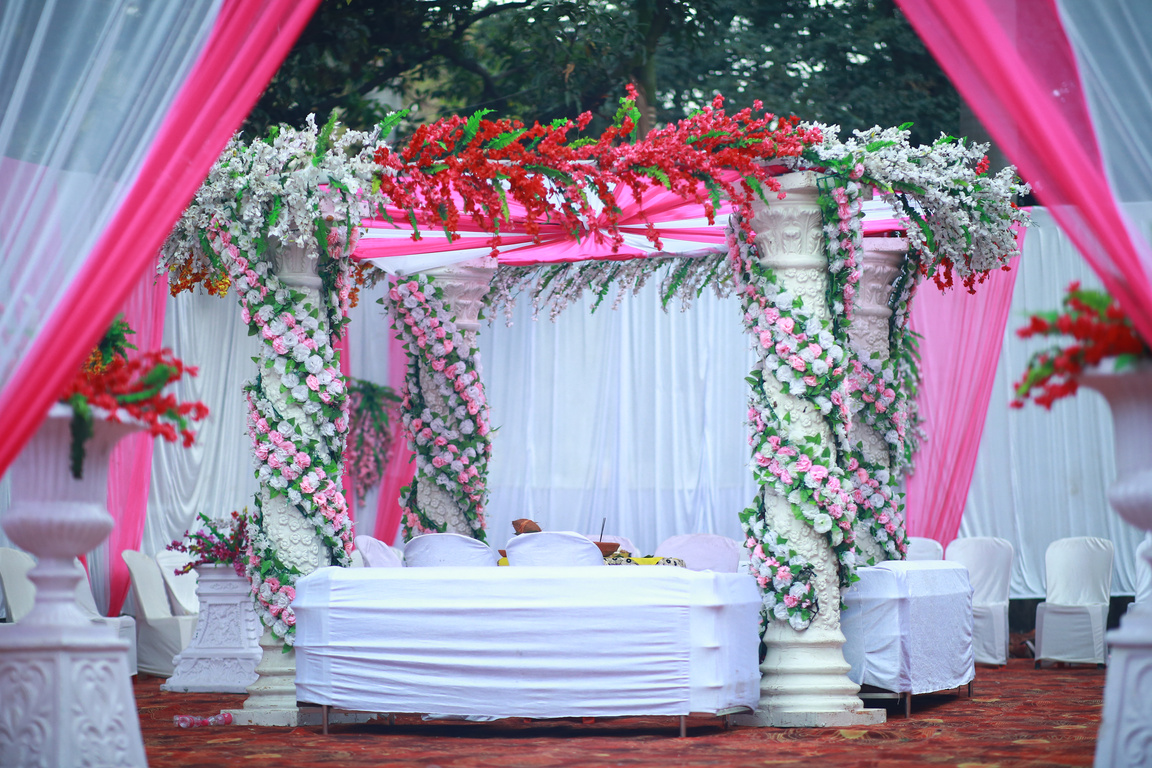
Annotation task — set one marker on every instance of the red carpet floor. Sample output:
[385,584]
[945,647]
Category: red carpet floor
[1016,717]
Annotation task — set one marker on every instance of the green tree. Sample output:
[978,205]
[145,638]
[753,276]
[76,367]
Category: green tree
[852,62]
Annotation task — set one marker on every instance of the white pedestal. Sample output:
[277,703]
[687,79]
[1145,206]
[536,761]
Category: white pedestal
[225,648]
[65,685]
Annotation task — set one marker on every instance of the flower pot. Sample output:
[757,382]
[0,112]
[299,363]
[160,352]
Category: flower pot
[1129,395]
[1123,736]
[65,680]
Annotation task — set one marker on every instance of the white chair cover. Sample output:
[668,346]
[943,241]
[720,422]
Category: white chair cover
[921,548]
[703,551]
[181,589]
[1070,623]
[376,553]
[19,592]
[357,559]
[1144,570]
[160,635]
[989,563]
[624,542]
[552,548]
[19,596]
[447,549]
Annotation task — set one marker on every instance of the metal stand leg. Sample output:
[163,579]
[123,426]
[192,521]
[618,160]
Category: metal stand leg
[324,718]
[908,704]
[970,688]
[683,726]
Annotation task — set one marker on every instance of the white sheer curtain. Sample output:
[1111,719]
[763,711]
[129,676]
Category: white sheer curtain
[632,415]
[1044,475]
[84,85]
[214,476]
[1114,55]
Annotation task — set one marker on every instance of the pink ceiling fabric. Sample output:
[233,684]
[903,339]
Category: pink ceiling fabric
[248,42]
[1013,64]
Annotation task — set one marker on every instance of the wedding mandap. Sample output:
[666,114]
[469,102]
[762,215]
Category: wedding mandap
[806,353]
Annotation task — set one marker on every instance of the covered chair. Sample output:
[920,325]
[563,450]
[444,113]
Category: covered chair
[559,548]
[989,563]
[181,589]
[447,549]
[1070,623]
[19,594]
[921,548]
[1144,570]
[703,551]
[160,635]
[376,553]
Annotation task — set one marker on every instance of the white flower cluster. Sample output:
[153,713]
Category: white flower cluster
[943,189]
[559,286]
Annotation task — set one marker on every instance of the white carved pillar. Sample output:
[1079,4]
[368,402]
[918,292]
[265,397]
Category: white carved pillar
[464,287]
[804,679]
[1125,730]
[869,338]
[65,687]
[272,698]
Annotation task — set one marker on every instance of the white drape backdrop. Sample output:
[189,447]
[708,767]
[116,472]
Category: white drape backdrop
[633,415]
[1040,475]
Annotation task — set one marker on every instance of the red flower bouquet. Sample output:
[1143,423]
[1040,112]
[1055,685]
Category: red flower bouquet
[134,387]
[1099,329]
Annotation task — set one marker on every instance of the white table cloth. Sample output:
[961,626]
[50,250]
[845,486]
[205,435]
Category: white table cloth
[529,641]
[908,626]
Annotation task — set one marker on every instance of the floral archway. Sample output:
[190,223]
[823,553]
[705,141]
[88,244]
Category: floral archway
[501,188]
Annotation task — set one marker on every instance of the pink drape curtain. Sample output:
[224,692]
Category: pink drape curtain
[401,461]
[961,345]
[130,469]
[248,42]
[1013,64]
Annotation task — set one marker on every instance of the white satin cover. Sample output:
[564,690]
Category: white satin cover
[908,626]
[528,641]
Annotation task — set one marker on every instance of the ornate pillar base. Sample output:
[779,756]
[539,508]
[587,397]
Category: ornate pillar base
[804,682]
[272,698]
[1124,735]
[66,698]
[225,650]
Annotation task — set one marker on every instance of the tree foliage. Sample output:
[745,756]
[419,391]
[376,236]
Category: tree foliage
[856,63]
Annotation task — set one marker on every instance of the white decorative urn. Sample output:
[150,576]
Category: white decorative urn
[65,686]
[1125,735]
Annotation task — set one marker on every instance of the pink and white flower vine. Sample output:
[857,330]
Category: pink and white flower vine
[300,192]
[447,424]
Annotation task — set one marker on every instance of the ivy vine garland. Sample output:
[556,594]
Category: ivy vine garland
[447,423]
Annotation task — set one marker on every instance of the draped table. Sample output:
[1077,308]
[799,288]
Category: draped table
[536,642]
[908,627]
